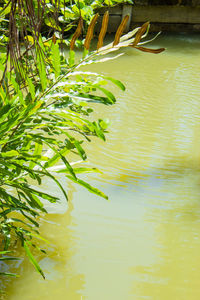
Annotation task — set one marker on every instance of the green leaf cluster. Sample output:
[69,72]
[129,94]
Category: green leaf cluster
[46,105]
[44,119]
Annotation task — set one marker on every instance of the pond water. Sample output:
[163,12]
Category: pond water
[144,243]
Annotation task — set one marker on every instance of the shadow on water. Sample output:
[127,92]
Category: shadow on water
[62,277]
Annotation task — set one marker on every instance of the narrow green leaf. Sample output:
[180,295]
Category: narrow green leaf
[31,88]
[116,82]
[5,111]
[37,152]
[109,95]
[55,158]
[43,195]
[18,90]
[51,22]
[81,170]
[61,156]
[33,260]
[88,187]
[56,58]
[41,63]
[5,252]
[10,220]
[31,220]
[80,150]
[69,167]
[8,274]
[71,59]
[10,153]
[91,98]
[99,131]
[8,258]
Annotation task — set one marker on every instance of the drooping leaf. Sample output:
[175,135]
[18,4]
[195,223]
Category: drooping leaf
[116,82]
[98,130]
[88,187]
[33,260]
[108,94]
[56,157]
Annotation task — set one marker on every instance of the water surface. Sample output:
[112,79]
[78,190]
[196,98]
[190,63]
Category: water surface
[144,243]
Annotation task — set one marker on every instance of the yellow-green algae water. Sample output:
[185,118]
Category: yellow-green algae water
[145,242]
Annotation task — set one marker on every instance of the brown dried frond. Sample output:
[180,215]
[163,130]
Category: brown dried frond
[103,30]
[54,39]
[120,30]
[144,49]
[77,33]
[90,31]
[140,33]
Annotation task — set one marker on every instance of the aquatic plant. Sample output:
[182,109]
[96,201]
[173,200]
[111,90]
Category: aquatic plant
[45,115]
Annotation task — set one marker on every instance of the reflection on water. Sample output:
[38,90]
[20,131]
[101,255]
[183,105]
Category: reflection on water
[144,243]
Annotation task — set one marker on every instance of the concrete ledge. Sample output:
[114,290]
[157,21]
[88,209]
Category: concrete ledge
[170,27]
[166,14]
[162,17]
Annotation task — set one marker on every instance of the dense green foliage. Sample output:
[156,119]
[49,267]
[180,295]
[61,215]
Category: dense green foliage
[32,122]
[59,17]
[44,117]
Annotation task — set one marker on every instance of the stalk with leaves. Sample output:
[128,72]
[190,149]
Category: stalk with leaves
[45,96]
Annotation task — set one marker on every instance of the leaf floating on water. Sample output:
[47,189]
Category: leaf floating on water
[120,30]
[103,29]
[90,31]
[155,51]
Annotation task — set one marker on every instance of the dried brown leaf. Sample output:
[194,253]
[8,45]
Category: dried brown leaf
[90,31]
[155,51]
[77,33]
[120,30]
[140,33]
[103,30]
[54,39]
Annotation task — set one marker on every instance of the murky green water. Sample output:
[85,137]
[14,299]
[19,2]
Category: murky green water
[145,242]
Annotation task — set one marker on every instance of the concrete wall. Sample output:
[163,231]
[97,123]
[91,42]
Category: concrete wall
[162,17]
[167,2]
